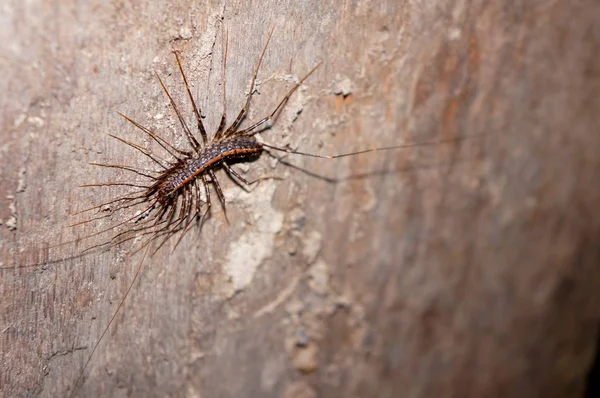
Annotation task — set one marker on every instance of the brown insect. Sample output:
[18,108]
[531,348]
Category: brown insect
[174,200]
[174,197]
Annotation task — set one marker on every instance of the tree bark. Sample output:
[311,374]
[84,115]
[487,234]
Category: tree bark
[458,269]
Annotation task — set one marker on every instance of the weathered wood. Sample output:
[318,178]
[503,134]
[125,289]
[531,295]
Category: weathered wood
[461,270]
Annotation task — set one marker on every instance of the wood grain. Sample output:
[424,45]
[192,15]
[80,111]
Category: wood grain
[457,270]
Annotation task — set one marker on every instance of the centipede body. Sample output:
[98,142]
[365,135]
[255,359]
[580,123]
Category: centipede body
[179,193]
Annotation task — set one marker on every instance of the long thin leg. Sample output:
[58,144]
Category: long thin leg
[197,113]
[87,362]
[183,213]
[157,217]
[113,184]
[221,128]
[193,143]
[234,126]
[198,211]
[171,211]
[119,166]
[206,192]
[113,211]
[167,209]
[191,216]
[119,199]
[184,230]
[280,106]
[142,230]
[92,220]
[108,215]
[111,228]
[235,174]
[208,201]
[143,150]
[162,142]
[220,195]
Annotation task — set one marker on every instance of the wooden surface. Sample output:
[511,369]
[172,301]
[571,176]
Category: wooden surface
[462,270]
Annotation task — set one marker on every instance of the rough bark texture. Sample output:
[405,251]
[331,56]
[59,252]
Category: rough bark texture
[457,270]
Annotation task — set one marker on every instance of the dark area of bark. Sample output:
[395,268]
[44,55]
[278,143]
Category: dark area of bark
[460,270]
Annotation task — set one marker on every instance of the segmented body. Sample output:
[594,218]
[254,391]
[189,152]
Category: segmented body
[187,169]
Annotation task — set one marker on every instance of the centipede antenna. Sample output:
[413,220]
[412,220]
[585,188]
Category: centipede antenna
[380,149]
